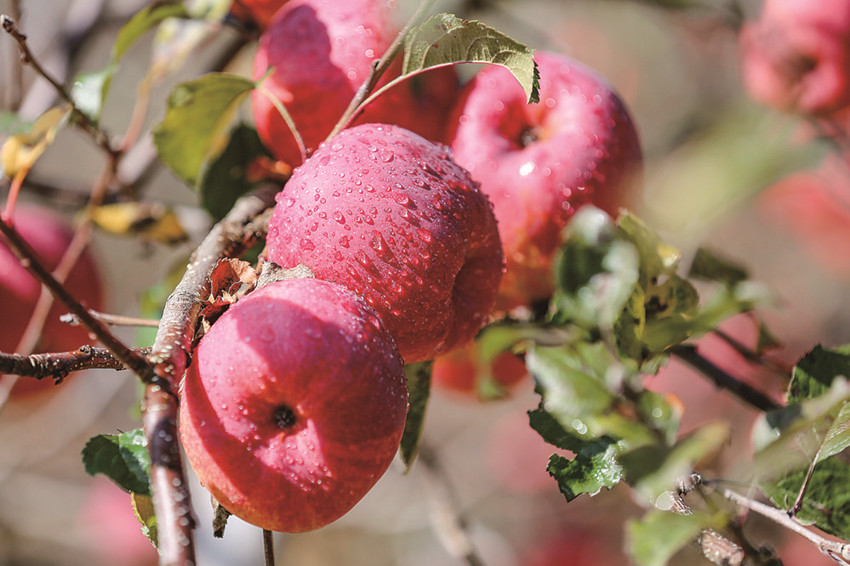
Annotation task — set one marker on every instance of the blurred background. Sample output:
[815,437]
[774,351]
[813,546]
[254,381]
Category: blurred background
[713,159]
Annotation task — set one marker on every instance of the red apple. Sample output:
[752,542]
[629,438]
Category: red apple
[19,291]
[390,215]
[796,56]
[321,52]
[538,163]
[575,546]
[460,371]
[110,527]
[260,12]
[294,405]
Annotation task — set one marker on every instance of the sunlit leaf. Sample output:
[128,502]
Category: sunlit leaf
[827,500]
[594,465]
[196,119]
[123,458]
[20,151]
[145,515]
[446,39]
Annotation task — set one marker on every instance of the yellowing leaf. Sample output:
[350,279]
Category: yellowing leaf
[145,514]
[21,151]
[151,221]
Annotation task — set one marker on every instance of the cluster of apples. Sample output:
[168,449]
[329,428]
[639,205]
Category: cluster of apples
[408,220]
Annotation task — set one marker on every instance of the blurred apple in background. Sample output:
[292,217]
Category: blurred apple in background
[49,236]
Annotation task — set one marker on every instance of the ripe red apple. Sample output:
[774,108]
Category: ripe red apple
[459,371]
[321,52]
[260,12]
[538,163]
[575,546]
[390,215]
[19,291]
[294,405]
[796,56]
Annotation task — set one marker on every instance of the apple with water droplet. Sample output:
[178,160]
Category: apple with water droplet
[320,53]
[49,236]
[390,215]
[540,162]
[294,405]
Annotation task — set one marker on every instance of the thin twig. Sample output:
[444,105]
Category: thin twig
[378,68]
[99,136]
[112,319]
[59,365]
[448,523]
[837,550]
[723,379]
[29,259]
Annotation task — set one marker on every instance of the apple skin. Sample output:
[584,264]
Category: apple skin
[260,12]
[796,56]
[321,51]
[458,372]
[294,405]
[538,163]
[391,216]
[49,236]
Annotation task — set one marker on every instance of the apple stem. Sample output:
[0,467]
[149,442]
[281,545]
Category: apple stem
[449,525]
[287,117]
[379,66]
[268,547]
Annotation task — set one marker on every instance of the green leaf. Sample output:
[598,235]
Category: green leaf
[419,391]
[816,371]
[827,500]
[594,465]
[803,432]
[595,272]
[225,178]
[89,91]
[657,258]
[445,39]
[198,113]
[658,535]
[711,267]
[576,385]
[123,458]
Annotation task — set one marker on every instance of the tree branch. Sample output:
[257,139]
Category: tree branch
[723,379]
[99,136]
[233,234]
[837,550]
[60,364]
